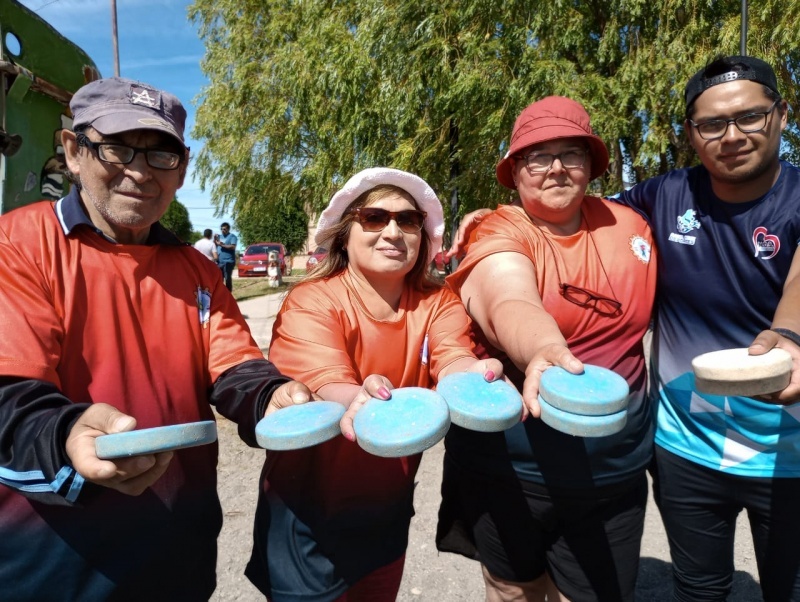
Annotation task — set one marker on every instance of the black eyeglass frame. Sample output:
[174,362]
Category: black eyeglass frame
[583,297]
[735,121]
[361,214]
[98,148]
[534,169]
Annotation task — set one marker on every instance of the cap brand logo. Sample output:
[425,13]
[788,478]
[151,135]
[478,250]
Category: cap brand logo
[142,96]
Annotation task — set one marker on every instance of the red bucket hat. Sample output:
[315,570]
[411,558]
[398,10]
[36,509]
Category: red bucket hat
[548,119]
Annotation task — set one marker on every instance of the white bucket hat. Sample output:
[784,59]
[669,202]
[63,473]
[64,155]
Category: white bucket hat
[368,179]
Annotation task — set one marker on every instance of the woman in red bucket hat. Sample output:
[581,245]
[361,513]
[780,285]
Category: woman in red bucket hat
[556,278]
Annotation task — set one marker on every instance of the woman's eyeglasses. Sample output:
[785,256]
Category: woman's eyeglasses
[375,219]
[605,306]
[543,162]
[583,297]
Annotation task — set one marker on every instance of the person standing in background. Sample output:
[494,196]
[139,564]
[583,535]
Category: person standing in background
[227,253]
[207,246]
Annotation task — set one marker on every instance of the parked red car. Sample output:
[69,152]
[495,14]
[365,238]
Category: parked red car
[256,257]
[315,258]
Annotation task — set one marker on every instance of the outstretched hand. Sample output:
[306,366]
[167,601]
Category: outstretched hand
[547,357]
[131,476]
[766,340]
[374,385]
[289,394]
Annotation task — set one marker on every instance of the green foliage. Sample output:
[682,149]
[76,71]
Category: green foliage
[303,93]
[281,221]
[177,219]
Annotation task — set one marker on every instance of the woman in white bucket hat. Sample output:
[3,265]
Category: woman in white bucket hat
[332,520]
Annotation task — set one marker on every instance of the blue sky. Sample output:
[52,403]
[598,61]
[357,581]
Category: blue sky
[158,45]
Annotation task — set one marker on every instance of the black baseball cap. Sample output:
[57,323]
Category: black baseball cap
[728,69]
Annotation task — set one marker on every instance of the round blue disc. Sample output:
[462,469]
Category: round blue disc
[304,425]
[413,420]
[596,392]
[479,405]
[582,425]
[155,440]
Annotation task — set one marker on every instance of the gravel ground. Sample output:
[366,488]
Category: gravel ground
[429,576]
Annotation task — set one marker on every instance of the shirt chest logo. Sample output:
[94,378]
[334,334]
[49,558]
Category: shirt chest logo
[640,247]
[766,246]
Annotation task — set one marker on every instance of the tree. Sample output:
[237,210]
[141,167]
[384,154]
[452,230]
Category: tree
[304,94]
[177,219]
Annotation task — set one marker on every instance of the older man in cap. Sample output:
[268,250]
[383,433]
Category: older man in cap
[727,233]
[111,323]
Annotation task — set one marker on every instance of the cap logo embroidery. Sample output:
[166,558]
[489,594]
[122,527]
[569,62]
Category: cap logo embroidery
[141,96]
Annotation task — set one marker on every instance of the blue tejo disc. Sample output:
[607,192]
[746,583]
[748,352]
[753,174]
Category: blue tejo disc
[582,425]
[413,420]
[304,425]
[155,440]
[479,405]
[596,392]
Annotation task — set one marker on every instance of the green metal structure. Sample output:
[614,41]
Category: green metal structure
[39,71]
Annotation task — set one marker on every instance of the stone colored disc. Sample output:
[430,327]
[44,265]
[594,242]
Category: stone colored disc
[596,392]
[413,420]
[296,427]
[479,405]
[581,425]
[155,440]
[736,372]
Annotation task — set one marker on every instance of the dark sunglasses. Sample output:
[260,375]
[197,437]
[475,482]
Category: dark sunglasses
[375,219]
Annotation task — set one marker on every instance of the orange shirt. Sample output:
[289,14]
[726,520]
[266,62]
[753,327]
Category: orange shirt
[113,323]
[324,334]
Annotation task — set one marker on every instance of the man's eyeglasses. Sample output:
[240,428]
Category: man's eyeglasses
[542,162]
[375,219]
[122,154]
[747,124]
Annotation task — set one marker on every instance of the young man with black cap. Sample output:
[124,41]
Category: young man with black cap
[727,233]
[111,323]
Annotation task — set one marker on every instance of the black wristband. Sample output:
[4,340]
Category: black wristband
[789,334]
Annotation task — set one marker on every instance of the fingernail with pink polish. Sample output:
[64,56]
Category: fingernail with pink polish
[349,436]
[489,376]
[384,392]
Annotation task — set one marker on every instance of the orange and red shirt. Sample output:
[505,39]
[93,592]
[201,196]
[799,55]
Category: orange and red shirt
[612,255]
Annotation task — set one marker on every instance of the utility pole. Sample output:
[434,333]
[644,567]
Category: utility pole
[114,36]
[743,34]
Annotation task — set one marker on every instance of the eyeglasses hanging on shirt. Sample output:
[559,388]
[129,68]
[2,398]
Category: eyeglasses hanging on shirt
[583,297]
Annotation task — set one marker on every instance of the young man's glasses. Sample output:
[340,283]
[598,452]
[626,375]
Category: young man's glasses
[122,154]
[375,219]
[542,162]
[747,124]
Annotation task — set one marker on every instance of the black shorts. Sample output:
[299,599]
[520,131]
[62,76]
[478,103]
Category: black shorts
[588,541]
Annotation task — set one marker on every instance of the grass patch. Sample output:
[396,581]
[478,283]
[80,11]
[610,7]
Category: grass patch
[247,288]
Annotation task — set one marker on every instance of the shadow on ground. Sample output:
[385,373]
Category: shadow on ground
[655,577]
